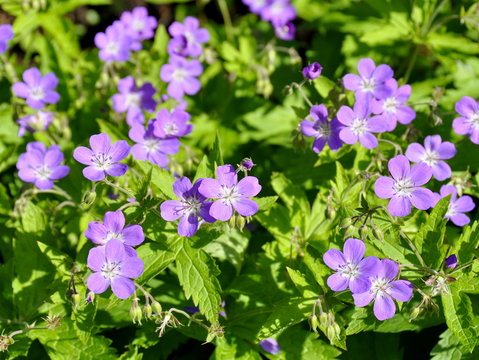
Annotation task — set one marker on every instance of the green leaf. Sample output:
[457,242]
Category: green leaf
[233,348]
[216,154]
[156,257]
[286,313]
[323,85]
[161,180]
[469,241]
[197,273]
[305,288]
[460,318]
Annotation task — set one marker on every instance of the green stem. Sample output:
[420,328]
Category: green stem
[413,248]
[119,188]
[226,18]
[299,87]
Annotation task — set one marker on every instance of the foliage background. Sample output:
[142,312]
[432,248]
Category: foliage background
[270,276]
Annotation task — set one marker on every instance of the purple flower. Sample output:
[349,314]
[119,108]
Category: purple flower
[113,227]
[103,157]
[457,206]
[392,108]
[37,89]
[321,129]
[112,265]
[192,309]
[172,125]
[246,164]
[230,193]
[41,165]
[114,43]
[404,187]
[189,209]
[256,6]
[150,147]
[358,125]
[312,71]
[352,270]
[285,32]
[139,26]
[468,123]
[34,122]
[278,12]
[383,290]
[451,261]
[270,345]
[371,80]
[190,32]
[6,34]
[181,75]
[432,154]
[132,100]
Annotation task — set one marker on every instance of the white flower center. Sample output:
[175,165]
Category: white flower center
[133,99]
[191,205]
[113,235]
[112,48]
[474,120]
[350,270]
[368,84]
[430,158]
[43,172]
[179,74]
[390,105]
[403,187]
[37,93]
[111,270]
[138,25]
[359,126]
[229,194]
[323,130]
[380,286]
[190,38]
[102,161]
[451,210]
[151,145]
[170,128]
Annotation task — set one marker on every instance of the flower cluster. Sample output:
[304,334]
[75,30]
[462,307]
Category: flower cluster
[41,165]
[125,35]
[227,195]
[369,279]
[280,13]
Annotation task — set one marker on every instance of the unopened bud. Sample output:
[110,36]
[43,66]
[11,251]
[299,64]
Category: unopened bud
[331,212]
[232,222]
[89,197]
[76,299]
[345,223]
[156,306]
[136,313]
[314,323]
[363,232]
[378,233]
[147,311]
[90,297]
[414,313]
[240,222]
[323,319]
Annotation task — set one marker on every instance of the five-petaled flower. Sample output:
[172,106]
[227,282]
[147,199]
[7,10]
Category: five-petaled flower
[322,129]
[38,90]
[41,165]
[138,25]
[384,289]
[34,122]
[190,35]
[468,123]
[103,157]
[114,267]
[181,75]
[230,193]
[432,154]
[172,125]
[113,227]
[351,269]
[190,209]
[457,206]
[404,187]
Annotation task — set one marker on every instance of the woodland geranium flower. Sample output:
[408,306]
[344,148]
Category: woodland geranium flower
[35,122]
[38,90]
[114,267]
[312,71]
[150,147]
[468,123]
[114,44]
[278,12]
[285,32]
[113,227]
[190,32]
[432,154]
[351,269]
[358,125]
[371,80]
[457,206]
[321,129]
[392,108]
[190,209]
[451,261]
[133,100]
[103,157]
[384,289]
[181,75]
[41,165]
[139,26]
[172,125]
[270,345]
[6,34]
[404,187]
[230,193]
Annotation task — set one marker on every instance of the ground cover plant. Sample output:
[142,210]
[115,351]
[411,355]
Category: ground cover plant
[280,179]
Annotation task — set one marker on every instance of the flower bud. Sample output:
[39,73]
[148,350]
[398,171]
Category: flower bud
[331,212]
[136,313]
[312,71]
[240,222]
[147,311]
[89,197]
[5,342]
[314,323]
[414,313]
[90,297]
[232,222]
[76,300]
[323,319]
[378,233]
[363,232]
[345,223]
[156,306]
